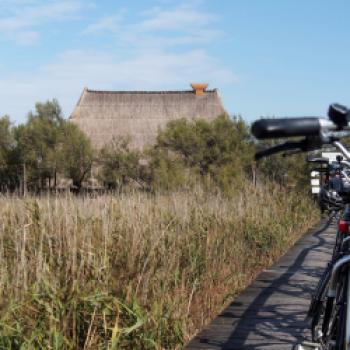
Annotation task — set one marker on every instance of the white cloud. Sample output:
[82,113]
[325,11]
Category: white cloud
[106,24]
[179,18]
[27,16]
[158,27]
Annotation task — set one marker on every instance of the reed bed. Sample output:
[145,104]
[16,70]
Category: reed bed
[134,271]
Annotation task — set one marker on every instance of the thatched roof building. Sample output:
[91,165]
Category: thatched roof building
[104,115]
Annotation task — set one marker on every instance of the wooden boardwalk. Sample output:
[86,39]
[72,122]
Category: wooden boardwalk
[270,313]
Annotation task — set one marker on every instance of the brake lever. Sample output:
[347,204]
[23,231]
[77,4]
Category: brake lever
[304,145]
[291,152]
[288,145]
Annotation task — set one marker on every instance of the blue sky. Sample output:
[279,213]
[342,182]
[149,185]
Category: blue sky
[266,57]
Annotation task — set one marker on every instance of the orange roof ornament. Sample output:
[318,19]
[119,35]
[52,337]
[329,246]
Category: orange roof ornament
[199,88]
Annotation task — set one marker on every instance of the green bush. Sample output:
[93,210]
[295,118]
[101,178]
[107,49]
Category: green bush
[290,170]
[219,151]
[118,164]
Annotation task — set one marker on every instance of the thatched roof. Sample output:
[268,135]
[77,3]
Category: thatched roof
[104,115]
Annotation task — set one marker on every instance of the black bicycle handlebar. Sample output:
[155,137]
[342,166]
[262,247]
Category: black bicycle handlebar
[286,127]
[317,131]
[287,146]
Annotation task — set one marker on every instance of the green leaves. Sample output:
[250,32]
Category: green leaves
[290,171]
[7,144]
[76,154]
[118,164]
[221,149]
[46,146]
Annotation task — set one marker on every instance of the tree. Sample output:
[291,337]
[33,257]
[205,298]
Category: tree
[221,149]
[166,170]
[6,140]
[75,154]
[291,170]
[48,145]
[8,179]
[38,141]
[118,164]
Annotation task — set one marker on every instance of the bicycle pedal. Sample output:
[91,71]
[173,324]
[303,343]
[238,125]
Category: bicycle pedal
[307,346]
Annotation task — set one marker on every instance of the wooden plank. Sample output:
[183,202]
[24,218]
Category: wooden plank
[246,346]
[252,321]
[270,313]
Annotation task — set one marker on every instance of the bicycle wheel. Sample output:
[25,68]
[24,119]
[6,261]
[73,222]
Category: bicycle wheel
[318,303]
[317,306]
[346,317]
[337,328]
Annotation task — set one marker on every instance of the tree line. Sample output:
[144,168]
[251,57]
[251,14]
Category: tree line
[35,155]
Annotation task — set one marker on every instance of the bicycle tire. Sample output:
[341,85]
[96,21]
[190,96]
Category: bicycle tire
[317,307]
[334,338]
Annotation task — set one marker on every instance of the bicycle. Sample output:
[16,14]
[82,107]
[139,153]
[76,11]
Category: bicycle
[330,308]
[334,202]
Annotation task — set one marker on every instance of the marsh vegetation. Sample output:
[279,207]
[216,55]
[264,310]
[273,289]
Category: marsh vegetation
[136,271]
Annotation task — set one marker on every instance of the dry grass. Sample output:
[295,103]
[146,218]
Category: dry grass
[134,271]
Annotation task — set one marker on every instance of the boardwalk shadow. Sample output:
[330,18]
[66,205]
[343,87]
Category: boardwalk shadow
[271,312]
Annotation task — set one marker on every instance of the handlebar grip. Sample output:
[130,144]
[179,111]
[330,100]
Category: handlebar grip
[286,127]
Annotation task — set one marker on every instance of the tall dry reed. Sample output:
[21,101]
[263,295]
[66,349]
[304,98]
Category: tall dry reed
[134,271]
